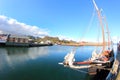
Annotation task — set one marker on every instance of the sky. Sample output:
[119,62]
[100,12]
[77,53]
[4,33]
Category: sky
[68,19]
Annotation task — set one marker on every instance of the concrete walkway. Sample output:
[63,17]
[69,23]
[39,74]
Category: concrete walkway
[118,58]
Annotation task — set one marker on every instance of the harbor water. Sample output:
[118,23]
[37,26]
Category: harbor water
[41,63]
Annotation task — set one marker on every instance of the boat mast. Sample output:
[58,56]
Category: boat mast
[108,33]
[101,23]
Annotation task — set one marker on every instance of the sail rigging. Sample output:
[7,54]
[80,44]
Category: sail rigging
[101,23]
[99,60]
[108,32]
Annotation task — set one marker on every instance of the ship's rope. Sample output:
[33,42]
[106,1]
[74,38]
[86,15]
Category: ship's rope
[89,25]
[87,29]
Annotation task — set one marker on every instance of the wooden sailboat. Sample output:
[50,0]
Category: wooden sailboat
[102,61]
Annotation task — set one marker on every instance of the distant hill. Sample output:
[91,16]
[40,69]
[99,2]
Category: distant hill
[53,40]
[56,40]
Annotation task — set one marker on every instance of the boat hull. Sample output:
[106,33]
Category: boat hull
[110,70]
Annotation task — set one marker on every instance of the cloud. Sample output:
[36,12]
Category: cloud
[12,26]
[61,37]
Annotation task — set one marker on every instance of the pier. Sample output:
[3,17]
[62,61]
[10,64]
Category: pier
[8,40]
[23,44]
[118,58]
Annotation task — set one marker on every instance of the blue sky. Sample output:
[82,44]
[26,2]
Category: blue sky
[62,18]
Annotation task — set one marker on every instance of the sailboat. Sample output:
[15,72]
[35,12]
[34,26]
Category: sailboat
[102,61]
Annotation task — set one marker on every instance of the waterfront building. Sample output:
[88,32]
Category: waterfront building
[17,39]
[13,40]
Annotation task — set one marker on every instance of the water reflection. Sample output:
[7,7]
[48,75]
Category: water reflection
[12,56]
[40,63]
[4,59]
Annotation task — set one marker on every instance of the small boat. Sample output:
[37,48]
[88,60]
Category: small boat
[100,62]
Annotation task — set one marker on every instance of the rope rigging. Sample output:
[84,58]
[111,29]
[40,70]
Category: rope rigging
[89,25]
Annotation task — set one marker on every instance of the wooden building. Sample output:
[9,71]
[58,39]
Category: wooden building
[17,39]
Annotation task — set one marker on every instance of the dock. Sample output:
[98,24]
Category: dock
[118,58]
[10,40]
[14,44]
[38,45]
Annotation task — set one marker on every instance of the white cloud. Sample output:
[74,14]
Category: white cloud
[61,37]
[9,25]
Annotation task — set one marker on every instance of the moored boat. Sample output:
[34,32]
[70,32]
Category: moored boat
[101,62]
